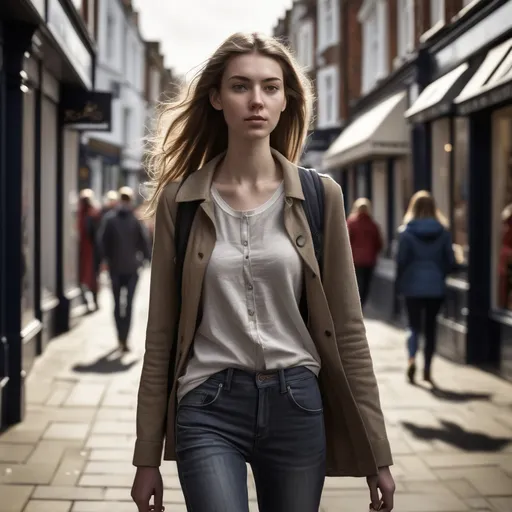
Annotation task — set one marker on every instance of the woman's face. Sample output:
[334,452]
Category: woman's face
[251,95]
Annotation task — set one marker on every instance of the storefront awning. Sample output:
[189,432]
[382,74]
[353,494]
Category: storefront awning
[436,99]
[491,84]
[380,131]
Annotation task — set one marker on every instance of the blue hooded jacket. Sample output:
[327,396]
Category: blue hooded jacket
[425,257]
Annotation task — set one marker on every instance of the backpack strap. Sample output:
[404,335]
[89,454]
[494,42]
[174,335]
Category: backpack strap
[313,204]
[185,214]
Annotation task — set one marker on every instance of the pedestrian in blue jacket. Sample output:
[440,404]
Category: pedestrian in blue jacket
[424,259]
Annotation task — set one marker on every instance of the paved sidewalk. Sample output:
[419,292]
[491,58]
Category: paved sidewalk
[453,449]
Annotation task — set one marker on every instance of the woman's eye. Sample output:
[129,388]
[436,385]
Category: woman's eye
[272,88]
[239,87]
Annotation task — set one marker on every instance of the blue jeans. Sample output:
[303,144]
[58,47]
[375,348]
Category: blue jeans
[272,420]
[422,316]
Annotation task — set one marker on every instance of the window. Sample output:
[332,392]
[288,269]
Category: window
[27,210]
[48,198]
[374,15]
[305,45]
[328,26]
[154,85]
[405,15]
[380,197]
[126,125]
[461,185]
[110,36]
[328,104]
[502,210]
[329,18]
[436,12]
[441,148]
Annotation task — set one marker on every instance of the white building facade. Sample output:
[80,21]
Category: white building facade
[115,158]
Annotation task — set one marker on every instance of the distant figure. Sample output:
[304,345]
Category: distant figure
[88,224]
[366,243]
[124,244]
[111,201]
[424,259]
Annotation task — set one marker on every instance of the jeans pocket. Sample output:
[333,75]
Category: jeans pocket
[305,395]
[204,395]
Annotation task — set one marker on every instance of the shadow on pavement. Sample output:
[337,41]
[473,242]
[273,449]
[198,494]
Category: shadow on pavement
[455,435]
[458,396]
[111,362]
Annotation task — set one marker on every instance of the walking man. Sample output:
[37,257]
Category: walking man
[124,245]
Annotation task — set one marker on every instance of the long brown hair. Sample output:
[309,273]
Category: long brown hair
[422,206]
[190,132]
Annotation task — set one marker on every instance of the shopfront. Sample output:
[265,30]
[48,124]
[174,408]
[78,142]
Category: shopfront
[444,172]
[466,114]
[371,158]
[46,56]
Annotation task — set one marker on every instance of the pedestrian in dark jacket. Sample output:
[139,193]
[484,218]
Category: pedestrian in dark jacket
[424,258]
[366,243]
[124,245]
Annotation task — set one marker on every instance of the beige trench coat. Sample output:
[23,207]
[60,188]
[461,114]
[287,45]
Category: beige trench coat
[356,436]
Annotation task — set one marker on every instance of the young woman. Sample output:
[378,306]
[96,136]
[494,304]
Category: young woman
[366,243]
[256,381]
[424,259]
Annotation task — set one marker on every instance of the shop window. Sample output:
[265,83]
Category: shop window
[27,210]
[461,185]
[380,197]
[70,216]
[441,149]
[502,210]
[48,198]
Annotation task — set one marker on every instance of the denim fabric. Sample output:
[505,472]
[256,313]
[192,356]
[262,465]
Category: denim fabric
[272,420]
[422,317]
[123,315]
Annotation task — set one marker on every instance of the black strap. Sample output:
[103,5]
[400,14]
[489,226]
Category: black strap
[313,190]
[185,214]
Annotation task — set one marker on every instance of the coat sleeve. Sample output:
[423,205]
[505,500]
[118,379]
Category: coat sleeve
[152,397]
[345,307]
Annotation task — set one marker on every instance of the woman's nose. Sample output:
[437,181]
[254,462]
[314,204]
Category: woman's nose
[257,98]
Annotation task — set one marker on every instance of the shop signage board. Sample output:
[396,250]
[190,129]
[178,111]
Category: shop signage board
[86,110]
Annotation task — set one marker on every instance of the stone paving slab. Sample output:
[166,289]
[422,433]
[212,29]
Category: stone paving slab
[452,447]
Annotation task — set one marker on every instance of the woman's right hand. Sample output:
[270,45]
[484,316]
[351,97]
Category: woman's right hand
[148,482]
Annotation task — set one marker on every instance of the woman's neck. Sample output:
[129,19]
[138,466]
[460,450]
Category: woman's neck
[248,162]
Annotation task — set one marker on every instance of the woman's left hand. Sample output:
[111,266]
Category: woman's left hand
[385,483]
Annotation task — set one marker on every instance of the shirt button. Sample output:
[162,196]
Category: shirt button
[301,241]
[246,243]
[251,312]
[250,287]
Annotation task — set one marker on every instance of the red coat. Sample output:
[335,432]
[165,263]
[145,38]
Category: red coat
[365,239]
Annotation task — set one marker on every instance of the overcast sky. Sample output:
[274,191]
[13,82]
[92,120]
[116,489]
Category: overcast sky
[190,30]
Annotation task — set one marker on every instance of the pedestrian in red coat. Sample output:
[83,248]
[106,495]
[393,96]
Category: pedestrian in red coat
[366,242]
[88,223]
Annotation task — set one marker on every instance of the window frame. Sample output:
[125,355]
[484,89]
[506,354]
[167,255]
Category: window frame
[437,12]
[405,22]
[325,119]
[328,24]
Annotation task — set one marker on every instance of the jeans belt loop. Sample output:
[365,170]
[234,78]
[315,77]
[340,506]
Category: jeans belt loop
[229,378]
[282,380]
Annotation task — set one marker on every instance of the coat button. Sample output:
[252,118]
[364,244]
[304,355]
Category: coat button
[301,241]
[328,334]
[201,255]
